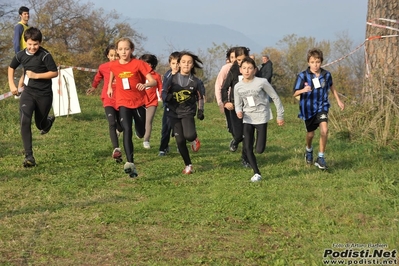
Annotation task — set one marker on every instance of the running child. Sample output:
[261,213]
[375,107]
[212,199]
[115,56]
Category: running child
[181,92]
[151,101]
[166,128]
[109,104]
[37,97]
[251,101]
[129,96]
[313,86]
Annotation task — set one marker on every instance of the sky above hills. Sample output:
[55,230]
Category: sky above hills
[264,21]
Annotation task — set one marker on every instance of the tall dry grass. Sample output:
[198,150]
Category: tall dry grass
[373,115]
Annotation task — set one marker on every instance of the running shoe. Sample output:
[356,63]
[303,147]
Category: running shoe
[245,163]
[188,169]
[321,163]
[130,169]
[51,119]
[146,145]
[195,145]
[256,178]
[233,145]
[29,161]
[309,157]
[117,155]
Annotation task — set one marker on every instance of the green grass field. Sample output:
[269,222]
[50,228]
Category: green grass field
[78,207]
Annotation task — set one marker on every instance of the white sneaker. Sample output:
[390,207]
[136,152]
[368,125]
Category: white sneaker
[188,169]
[146,145]
[130,169]
[256,178]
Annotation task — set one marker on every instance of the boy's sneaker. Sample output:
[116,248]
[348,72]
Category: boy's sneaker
[195,145]
[188,169]
[256,178]
[130,169]
[321,163]
[146,145]
[309,157]
[161,153]
[29,161]
[233,145]
[117,155]
[51,119]
[245,163]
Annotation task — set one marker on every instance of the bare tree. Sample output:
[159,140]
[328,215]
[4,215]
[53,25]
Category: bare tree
[383,46]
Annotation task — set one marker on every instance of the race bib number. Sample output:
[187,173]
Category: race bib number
[125,83]
[316,83]
[251,101]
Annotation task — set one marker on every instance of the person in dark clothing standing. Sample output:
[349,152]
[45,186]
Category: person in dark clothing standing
[266,69]
[37,97]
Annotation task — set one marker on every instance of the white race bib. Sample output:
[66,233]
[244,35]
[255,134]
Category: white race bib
[316,83]
[251,101]
[125,82]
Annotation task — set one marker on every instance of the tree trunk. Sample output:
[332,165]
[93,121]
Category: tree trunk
[383,51]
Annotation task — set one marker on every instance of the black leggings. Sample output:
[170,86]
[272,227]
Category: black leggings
[237,130]
[41,106]
[184,130]
[113,124]
[249,141]
[126,119]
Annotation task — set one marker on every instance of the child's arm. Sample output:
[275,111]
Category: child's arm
[238,103]
[11,83]
[96,80]
[277,102]
[165,87]
[46,75]
[151,83]
[336,95]
[307,88]
[111,78]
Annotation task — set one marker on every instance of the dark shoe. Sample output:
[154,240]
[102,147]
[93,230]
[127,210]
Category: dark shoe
[51,119]
[245,163]
[321,163]
[309,157]
[233,145]
[29,161]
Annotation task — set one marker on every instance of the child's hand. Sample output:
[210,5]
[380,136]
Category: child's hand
[109,92]
[141,86]
[280,122]
[239,115]
[89,91]
[229,106]
[341,105]
[30,74]
[200,114]
[307,88]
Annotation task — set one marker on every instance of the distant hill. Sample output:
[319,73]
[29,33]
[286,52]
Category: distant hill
[163,36]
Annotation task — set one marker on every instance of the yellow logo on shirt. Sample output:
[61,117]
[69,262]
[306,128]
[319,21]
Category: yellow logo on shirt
[125,74]
[182,96]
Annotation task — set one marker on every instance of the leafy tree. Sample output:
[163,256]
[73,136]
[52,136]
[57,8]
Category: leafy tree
[293,59]
[77,35]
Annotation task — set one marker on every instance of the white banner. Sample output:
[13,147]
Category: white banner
[65,97]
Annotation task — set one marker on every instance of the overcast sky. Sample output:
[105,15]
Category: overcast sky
[264,21]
